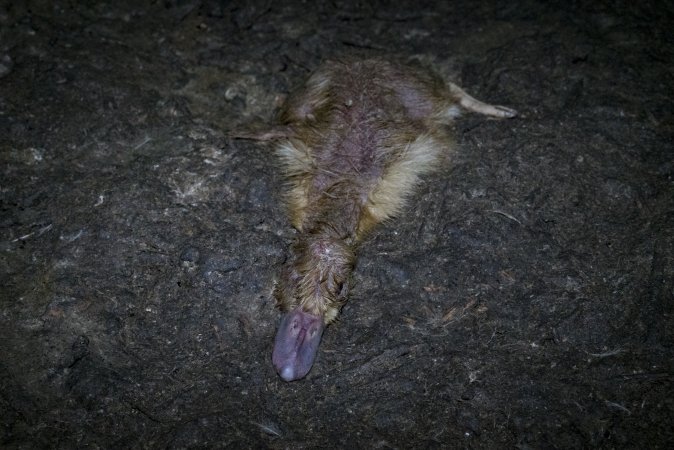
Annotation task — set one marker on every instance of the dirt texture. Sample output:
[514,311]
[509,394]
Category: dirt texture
[525,300]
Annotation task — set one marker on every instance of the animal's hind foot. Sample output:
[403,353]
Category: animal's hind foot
[474,105]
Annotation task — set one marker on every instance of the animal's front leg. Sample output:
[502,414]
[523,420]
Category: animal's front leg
[274,134]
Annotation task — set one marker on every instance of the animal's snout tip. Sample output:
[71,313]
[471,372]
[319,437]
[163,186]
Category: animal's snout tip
[287,373]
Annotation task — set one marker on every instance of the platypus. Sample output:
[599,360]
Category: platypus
[353,144]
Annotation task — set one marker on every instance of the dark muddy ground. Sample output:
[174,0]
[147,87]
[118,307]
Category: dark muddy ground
[525,300]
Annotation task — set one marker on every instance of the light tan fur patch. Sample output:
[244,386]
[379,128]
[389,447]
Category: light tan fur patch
[388,197]
[298,165]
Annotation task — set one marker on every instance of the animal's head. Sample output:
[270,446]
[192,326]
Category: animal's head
[311,290]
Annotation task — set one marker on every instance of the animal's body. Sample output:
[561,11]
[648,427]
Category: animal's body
[353,144]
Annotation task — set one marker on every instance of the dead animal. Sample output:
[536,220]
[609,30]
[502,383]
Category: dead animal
[353,143]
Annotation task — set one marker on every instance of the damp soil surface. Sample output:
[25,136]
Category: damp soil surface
[524,300]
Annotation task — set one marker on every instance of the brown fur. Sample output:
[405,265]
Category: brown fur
[354,143]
